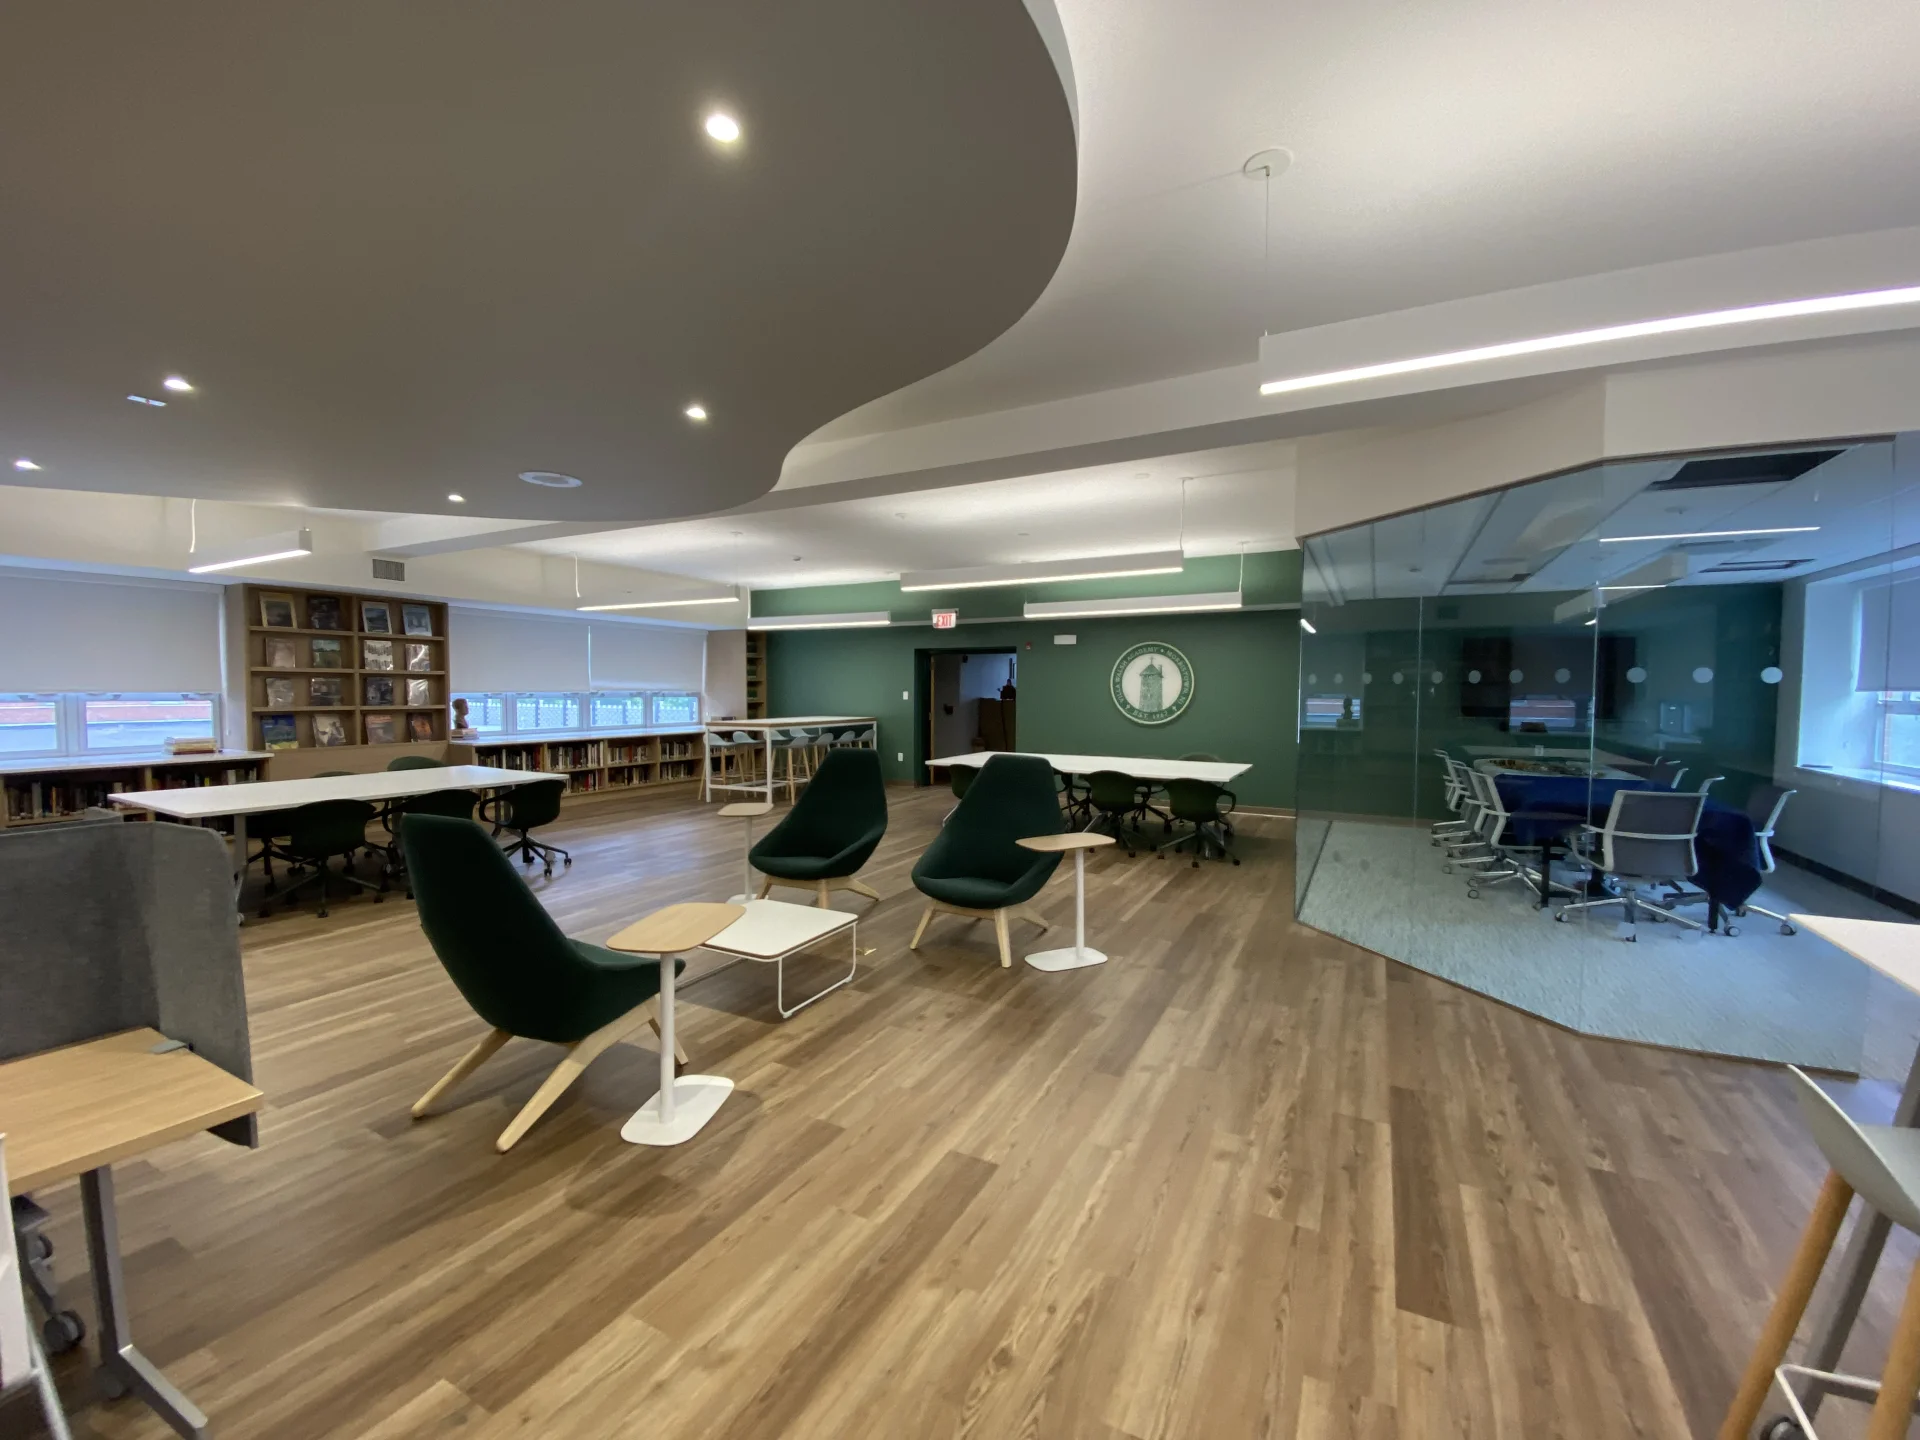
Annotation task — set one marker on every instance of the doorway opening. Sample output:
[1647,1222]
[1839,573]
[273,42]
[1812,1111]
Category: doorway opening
[970,703]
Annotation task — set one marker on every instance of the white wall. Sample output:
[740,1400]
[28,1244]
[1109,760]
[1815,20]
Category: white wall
[726,692]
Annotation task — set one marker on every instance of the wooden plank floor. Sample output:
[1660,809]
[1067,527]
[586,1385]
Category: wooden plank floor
[1246,1180]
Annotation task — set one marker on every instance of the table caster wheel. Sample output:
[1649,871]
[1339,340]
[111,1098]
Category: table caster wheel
[1560,917]
[62,1332]
[1731,931]
[1786,929]
[1781,1427]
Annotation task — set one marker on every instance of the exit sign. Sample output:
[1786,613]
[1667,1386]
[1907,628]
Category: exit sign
[945,619]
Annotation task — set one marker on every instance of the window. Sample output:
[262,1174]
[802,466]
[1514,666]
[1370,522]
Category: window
[1900,730]
[93,724]
[29,725]
[510,713]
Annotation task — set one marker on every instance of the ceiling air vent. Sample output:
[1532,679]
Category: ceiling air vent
[389,569]
[1733,566]
[1744,470]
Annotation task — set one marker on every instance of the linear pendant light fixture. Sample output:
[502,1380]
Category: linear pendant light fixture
[852,620]
[665,604]
[1131,605]
[258,550]
[1092,567]
[1672,324]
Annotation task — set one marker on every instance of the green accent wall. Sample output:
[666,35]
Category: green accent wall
[1245,687]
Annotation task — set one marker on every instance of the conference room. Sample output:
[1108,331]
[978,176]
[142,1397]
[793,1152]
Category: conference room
[989,720]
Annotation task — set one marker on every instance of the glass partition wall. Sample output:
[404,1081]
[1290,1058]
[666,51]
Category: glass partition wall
[1730,643]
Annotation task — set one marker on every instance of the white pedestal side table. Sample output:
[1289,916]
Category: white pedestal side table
[1079,842]
[687,1102]
[752,810]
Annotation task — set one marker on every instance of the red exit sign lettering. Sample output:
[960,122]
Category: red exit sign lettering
[945,619]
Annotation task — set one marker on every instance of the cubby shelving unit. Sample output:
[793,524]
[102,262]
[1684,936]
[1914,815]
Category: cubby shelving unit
[756,675]
[416,718]
[38,791]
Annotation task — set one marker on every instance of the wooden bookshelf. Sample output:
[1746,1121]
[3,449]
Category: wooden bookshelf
[40,791]
[603,762]
[756,675]
[288,643]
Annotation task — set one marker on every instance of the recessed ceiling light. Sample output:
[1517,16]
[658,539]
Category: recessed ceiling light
[145,400]
[551,479]
[177,382]
[458,499]
[24,464]
[696,411]
[723,127]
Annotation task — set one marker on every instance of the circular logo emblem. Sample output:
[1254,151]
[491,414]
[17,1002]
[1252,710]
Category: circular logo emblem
[1152,683]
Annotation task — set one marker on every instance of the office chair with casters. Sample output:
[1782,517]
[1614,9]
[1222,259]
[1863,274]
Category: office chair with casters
[1076,800]
[959,779]
[1457,791]
[522,810]
[975,866]
[1197,803]
[1764,805]
[415,762]
[1115,799]
[521,975]
[1202,757]
[317,833]
[1648,840]
[832,830]
[458,804]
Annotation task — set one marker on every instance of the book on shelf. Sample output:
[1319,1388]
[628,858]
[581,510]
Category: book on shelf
[379,690]
[323,613]
[376,617]
[277,733]
[378,655]
[416,619]
[280,694]
[325,690]
[327,655]
[382,730]
[417,692]
[419,657]
[329,730]
[192,745]
[276,611]
[419,727]
[280,653]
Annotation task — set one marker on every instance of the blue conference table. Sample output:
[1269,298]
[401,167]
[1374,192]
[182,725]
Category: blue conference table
[1543,809]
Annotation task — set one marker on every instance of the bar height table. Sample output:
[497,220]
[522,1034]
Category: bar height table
[1079,842]
[685,1103]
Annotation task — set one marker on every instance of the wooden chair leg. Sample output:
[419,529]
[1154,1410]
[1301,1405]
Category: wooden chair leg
[580,1054]
[765,886]
[1900,1381]
[821,897]
[920,929]
[679,1050]
[1000,934]
[859,889]
[1789,1304]
[1034,917]
[465,1066]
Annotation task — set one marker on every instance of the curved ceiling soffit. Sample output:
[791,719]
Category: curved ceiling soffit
[404,251]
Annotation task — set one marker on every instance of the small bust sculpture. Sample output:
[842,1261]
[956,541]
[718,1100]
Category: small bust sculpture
[461,730]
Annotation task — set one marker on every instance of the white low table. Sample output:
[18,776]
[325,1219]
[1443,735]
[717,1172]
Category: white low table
[772,930]
[684,1103]
[1081,954]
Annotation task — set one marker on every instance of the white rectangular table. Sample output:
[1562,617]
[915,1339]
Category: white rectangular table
[1893,948]
[725,729]
[773,930]
[211,802]
[1216,772]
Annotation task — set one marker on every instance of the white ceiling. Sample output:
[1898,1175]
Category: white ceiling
[1441,151]
[1235,497]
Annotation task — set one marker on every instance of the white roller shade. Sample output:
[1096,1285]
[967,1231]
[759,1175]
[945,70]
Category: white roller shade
[1889,637]
[648,657]
[494,650]
[72,634]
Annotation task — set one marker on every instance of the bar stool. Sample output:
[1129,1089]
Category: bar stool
[1880,1163]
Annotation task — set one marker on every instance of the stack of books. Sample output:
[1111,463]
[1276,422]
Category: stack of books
[192,745]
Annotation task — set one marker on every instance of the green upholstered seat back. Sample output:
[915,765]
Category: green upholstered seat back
[1194,800]
[1013,799]
[846,801]
[960,780]
[505,953]
[457,803]
[328,827]
[1201,755]
[537,803]
[1110,790]
[415,762]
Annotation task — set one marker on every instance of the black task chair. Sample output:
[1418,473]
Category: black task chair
[959,778]
[831,831]
[1116,800]
[415,762]
[317,833]
[523,809]
[1648,840]
[1203,806]
[453,804]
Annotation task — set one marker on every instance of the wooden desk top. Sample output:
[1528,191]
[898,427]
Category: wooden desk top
[1890,946]
[747,807]
[686,926]
[75,1109]
[1072,840]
